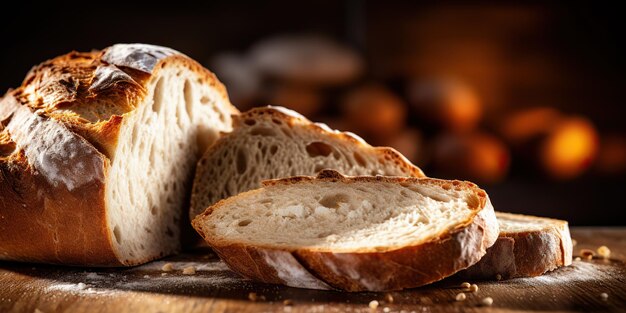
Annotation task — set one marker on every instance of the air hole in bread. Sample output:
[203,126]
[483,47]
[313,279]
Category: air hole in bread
[332,201]
[169,232]
[277,122]
[117,234]
[188,91]
[159,90]
[148,230]
[273,150]
[318,148]
[249,122]
[244,223]
[205,100]
[242,161]
[318,168]
[152,155]
[262,131]
[359,159]
[336,155]
[153,210]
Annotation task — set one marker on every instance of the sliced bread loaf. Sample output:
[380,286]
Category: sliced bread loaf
[98,150]
[274,142]
[528,246]
[351,233]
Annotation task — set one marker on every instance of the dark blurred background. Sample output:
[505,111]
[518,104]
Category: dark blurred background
[526,100]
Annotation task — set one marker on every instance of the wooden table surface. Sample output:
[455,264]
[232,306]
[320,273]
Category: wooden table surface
[41,288]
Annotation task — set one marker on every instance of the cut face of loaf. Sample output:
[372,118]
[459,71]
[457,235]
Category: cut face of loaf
[351,233]
[527,246]
[274,142]
[98,153]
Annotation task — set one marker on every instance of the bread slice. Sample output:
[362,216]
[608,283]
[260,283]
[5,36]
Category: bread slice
[98,150]
[274,142]
[361,233]
[528,246]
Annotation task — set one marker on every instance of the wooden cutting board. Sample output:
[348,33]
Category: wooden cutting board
[213,288]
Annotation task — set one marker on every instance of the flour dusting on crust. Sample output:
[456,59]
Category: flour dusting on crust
[62,157]
[291,271]
[141,57]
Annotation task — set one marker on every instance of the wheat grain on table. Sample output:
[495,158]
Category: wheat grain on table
[588,285]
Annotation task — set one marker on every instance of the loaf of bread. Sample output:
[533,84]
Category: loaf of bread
[98,151]
[274,142]
[528,246]
[368,233]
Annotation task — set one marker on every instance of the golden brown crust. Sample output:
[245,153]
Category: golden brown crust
[393,268]
[56,214]
[525,253]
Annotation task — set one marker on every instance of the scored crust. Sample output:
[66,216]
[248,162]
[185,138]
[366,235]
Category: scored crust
[60,130]
[544,245]
[393,268]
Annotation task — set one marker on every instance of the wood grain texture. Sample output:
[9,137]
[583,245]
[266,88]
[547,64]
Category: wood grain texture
[28,287]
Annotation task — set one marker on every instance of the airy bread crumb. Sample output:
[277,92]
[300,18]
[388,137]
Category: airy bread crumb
[460,297]
[465,285]
[386,309]
[604,296]
[287,302]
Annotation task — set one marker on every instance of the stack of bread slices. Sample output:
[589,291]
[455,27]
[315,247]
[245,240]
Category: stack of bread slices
[103,153]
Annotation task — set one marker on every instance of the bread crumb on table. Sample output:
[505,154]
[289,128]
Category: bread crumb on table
[577,258]
[253,296]
[146,276]
[460,297]
[373,304]
[587,254]
[465,285]
[386,309]
[488,301]
[81,286]
[604,296]
[163,274]
[604,252]
[168,267]
[287,302]
[498,277]
[389,298]
[574,242]
[473,288]
[189,270]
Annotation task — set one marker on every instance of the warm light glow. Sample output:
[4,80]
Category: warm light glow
[462,110]
[522,126]
[570,148]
